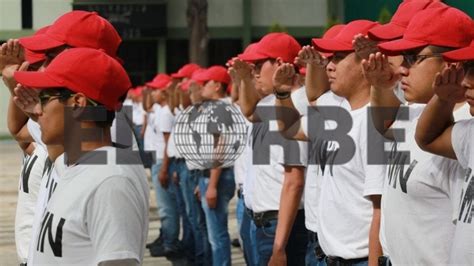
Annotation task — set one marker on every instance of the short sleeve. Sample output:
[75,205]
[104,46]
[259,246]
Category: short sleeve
[117,218]
[373,145]
[461,138]
[300,100]
[166,120]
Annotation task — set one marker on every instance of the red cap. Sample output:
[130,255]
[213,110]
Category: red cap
[89,71]
[186,71]
[445,26]
[400,20]
[249,50]
[331,33]
[160,81]
[343,40]
[137,91]
[185,85]
[463,54]
[215,73]
[33,57]
[76,29]
[273,45]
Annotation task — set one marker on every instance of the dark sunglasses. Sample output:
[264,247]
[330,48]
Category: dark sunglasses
[412,59]
[46,96]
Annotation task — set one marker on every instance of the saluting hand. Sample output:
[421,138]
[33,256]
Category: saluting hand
[378,72]
[447,85]
[284,77]
[364,46]
[309,56]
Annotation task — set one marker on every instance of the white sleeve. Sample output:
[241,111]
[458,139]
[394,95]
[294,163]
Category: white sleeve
[166,121]
[374,173]
[116,218]
[461,138]
[300,100]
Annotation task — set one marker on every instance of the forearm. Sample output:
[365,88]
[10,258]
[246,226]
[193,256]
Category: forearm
[385,107]
[214,177]
[435,119]
[248,97]
[287,115]
[316,82]
[16,121]
[290,200]
[375,248]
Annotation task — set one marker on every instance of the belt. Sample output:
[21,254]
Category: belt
[318,251]
[23,264]
[337,261]
[262,219]
[206,172]
[384,261]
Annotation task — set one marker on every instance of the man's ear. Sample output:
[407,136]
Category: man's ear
[78,102]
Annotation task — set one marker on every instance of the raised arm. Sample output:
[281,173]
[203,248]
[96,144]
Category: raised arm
[248,95]
[316,81]
[433,131]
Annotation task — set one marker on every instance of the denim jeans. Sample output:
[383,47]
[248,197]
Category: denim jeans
[216,218]
[297,243]
[311,259]
[202,249]
[179,167]
[248,234]
[167,209]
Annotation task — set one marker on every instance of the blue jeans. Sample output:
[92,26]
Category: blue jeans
[216,219]
[188,238]
[167,209]
[202,249]
[297,243]
[239,212]
[248,234]
[311,259]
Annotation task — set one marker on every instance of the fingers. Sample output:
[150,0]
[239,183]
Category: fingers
[24,66]
[459,74]
[438,79]
[3,49]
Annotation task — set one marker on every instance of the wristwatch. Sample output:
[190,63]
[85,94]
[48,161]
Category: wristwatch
[281,95]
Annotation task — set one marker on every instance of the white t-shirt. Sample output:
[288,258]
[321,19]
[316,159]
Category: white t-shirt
[164,123]
[98,212]
[462,250]
[345,212]
[269,177]
[171,148]
[51,173]
[300,100]
[313,177]
[35,132]
[138,113]
[249,177]
[240,164]
[152,138]
[417,203]
[29,186]
[122,132]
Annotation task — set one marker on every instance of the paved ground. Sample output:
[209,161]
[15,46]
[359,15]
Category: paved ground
[10,160]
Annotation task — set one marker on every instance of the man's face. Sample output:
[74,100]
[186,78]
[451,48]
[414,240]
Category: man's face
[468,84]
[264,71]
[210,89]
[51,118]
[195,93]
[343,73]
[418,71]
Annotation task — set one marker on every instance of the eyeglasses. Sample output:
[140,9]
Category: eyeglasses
[46,96]
[338,57]
[414,59]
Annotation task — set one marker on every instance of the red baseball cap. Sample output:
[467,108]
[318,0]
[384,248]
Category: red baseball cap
[273,45]
[463,54]
[186,71]
[76,29]
[400,20]
[343,40]
[137,91]
[445,26]
[89,71]
[331,33]
[249,50]
[160,81]
[215,73]
[33,57]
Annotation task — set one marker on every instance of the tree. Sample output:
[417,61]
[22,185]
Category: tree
[385,16]
[196,15]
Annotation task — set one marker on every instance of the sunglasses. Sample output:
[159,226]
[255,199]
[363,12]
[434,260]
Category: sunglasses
[45,96]
[414,59]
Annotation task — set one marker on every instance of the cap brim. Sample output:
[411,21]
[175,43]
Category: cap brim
[331,45]
[37,80]
[398,46]
[252,57]
[463,54]
[386,32]
[177,76]
[34,58]
[40,43]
